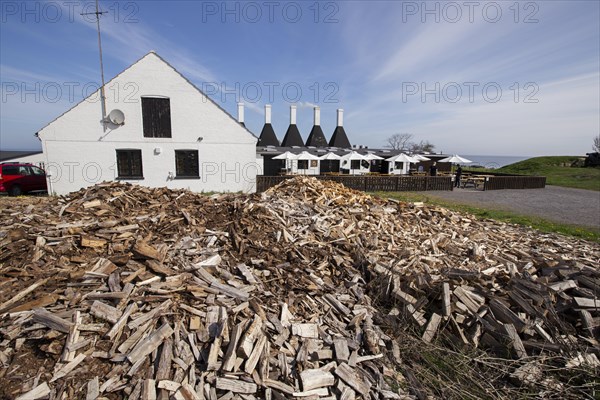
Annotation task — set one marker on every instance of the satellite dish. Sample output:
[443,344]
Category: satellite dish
[116,117]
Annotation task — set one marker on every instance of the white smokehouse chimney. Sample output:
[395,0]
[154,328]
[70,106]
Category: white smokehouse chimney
[340,117]
[241,113]
[292,115]
[267,113]
[317,116]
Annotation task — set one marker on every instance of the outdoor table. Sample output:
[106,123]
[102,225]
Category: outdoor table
[476,180]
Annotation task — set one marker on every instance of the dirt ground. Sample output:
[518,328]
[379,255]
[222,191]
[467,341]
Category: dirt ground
[559,204]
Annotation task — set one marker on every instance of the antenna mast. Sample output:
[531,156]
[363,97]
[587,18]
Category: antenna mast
[98,13]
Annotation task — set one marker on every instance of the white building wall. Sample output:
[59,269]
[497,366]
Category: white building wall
[309,171]
[80,153]
[399,171]
[359,171]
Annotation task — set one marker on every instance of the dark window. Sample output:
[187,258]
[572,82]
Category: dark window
[10,170]
[129,164]
[399,165]
[302,164]
[355,164]
[186,163]
[156,115]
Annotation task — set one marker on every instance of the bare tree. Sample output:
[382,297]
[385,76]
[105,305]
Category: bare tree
[399,141]
[596,145]
[422,147]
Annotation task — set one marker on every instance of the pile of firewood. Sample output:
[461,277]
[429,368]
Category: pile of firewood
[123,291]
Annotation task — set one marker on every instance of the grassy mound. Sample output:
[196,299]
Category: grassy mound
[558,171]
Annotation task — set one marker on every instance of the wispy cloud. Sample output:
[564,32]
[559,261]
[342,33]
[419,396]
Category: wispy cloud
[306,104]
[129,41]
[13,74]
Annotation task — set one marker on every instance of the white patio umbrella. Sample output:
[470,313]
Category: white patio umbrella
[353,155]
[305,155]
[420,157]
[456,159]
[287,156]
[372,156]
[402,158]
[330,156]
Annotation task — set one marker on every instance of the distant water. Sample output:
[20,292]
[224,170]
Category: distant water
[494,161]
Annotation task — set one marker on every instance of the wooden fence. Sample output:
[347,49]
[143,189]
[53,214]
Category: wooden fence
[515,182]
[370,183]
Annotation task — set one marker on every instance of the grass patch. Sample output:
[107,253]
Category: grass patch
[538,223]
[558,170]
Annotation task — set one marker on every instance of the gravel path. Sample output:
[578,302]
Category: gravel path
[559,204]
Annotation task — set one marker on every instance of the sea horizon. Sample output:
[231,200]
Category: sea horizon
[494,161]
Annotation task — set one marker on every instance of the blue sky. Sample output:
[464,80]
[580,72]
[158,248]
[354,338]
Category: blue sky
[494,78]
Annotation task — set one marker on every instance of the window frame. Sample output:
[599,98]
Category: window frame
[353,163]
[130,162]
[187,176]
[150,125]
[302,164]
[34,170]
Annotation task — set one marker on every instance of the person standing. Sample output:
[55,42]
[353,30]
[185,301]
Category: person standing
[433,169]
[458,176]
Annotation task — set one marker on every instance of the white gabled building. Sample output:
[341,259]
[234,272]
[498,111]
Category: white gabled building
[173,136]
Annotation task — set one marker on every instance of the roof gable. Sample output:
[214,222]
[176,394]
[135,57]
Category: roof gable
[339,138]
[268,136]
[134,65]
[316,137]
[292,137]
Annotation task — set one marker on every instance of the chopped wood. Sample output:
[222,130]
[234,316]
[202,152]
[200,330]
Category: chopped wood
[255,355]
[230,356]
[446,305]
[50,320]
[72,338]
[169,385]
[38,303]
[118,326]
[68,367]
[145,251]
[298,292]
[305,330]
[38,392]
[93,389]
[316,378]
[515,341]
[249,337]
[587,303]
[236,386]
[342,353]
[104,311]
[188,393]
[149,344]
[89,241]
[431,327]
[353,379]
[312,393]
[230,291]
[23,293]
[149,389]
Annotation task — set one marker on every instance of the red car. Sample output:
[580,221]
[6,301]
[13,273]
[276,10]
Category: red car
[19,178]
